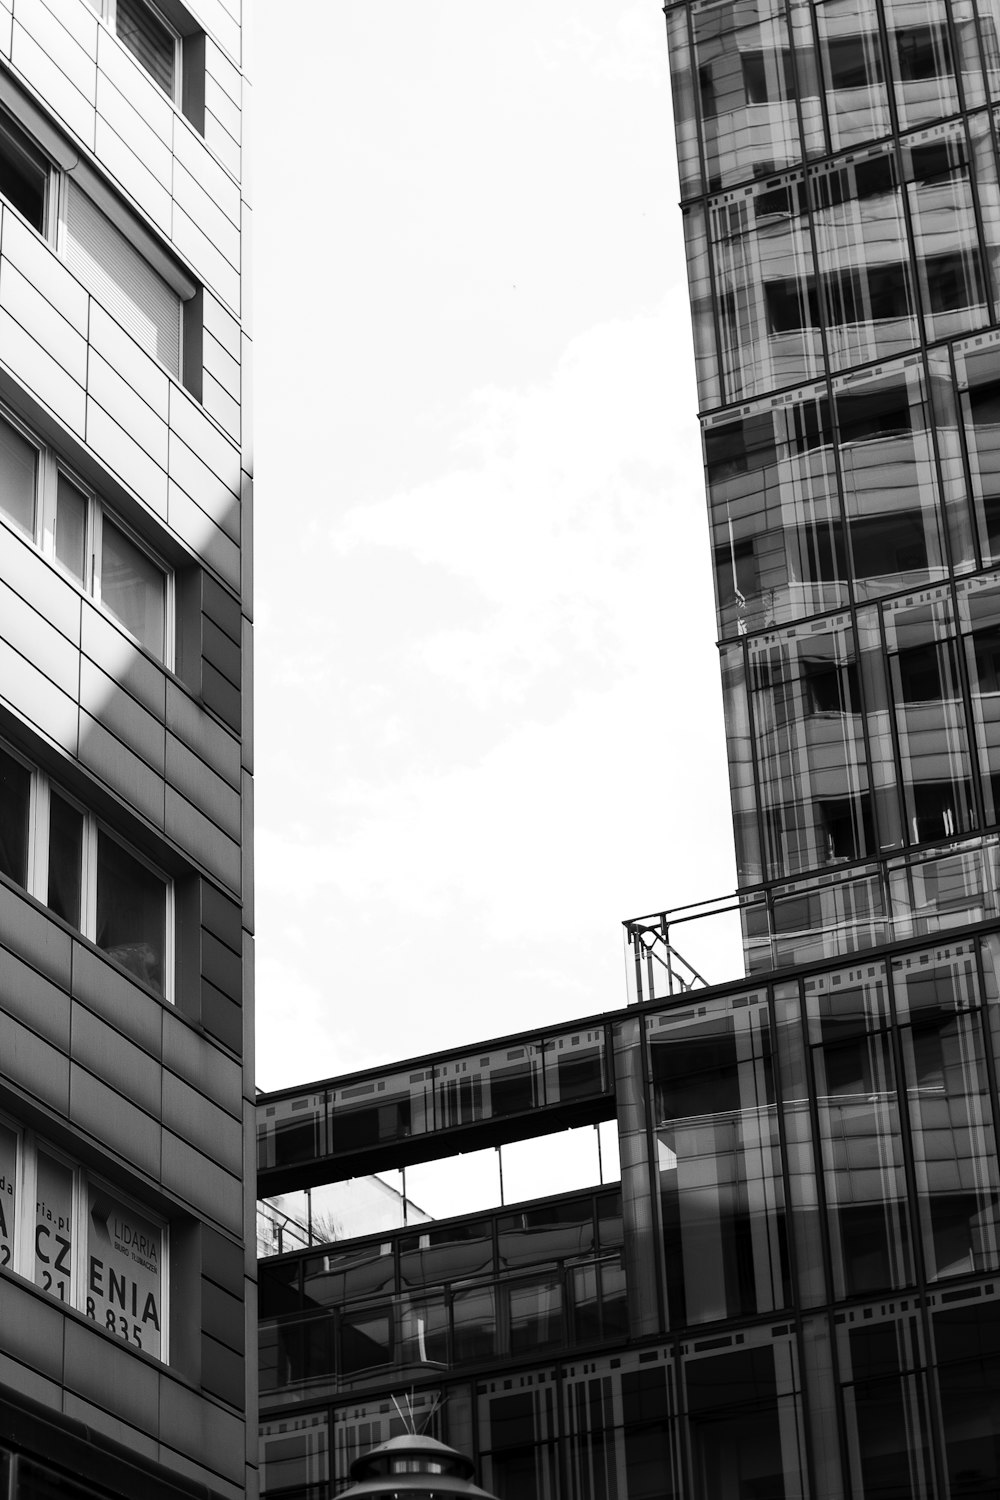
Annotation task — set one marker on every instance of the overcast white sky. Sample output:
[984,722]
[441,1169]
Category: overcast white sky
[487,705]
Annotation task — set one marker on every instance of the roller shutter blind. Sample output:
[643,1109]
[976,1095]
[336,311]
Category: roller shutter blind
[112,269]
[149,41]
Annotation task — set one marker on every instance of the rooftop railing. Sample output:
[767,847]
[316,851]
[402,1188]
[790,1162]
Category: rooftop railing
[847,910]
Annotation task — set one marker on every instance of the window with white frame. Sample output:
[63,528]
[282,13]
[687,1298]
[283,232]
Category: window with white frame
[81,1241]
[58,852]
[68,522]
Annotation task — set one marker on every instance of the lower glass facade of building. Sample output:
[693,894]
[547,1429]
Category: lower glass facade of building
[794,1291]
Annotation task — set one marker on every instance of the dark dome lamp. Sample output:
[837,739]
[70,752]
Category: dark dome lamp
[412,1465]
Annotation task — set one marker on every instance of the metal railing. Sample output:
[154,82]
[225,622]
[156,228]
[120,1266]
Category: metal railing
[822,916]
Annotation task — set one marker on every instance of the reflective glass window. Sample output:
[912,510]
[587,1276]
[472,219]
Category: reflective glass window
[743,1418]
[987,19]
[816,919]
[133,588]
[935,770]
[950,272]
[885,1405]
[778,537]
[860,1135]
[800,1156]
[978,372]
[746,90]
[720,1189]
[967,1342]
[862,258]
[342,1276]
[131,912]
[987,193]
[741,783]
[516,1431]
[423,1331]
[574,1066]
[931,891]
[979,614]
[955,488]
[857,105]
[683,98]
[921,56]
[881,741]
[549,1232]
[364,1115]
[702,305]
[890,481]
[454,1252]
[808,77]
[814,789]
[474,1324]
[769,318]
[948,1096]
[295,1455]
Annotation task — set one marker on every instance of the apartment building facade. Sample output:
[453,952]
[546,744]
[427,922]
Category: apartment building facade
[126,1073]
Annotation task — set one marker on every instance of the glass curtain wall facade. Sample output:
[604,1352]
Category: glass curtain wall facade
[838,165]
[790,1289]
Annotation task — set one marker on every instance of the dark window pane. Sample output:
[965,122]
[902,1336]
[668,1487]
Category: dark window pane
[131,912]
[15,789]
[65,859]
[22,176]
[278,1288]
[365,1341]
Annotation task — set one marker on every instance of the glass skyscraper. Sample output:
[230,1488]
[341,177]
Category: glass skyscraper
[838,165]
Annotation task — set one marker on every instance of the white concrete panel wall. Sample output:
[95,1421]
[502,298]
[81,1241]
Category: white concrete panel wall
[183,184]
[139,422]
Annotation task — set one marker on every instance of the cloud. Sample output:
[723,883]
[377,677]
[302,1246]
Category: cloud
[560,516]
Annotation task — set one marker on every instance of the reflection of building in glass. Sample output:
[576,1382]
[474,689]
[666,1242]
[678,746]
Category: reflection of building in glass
[785,1281]
[786,1285]
[125,1085]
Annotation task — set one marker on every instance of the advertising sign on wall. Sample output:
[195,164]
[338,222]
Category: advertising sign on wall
[124,1271]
